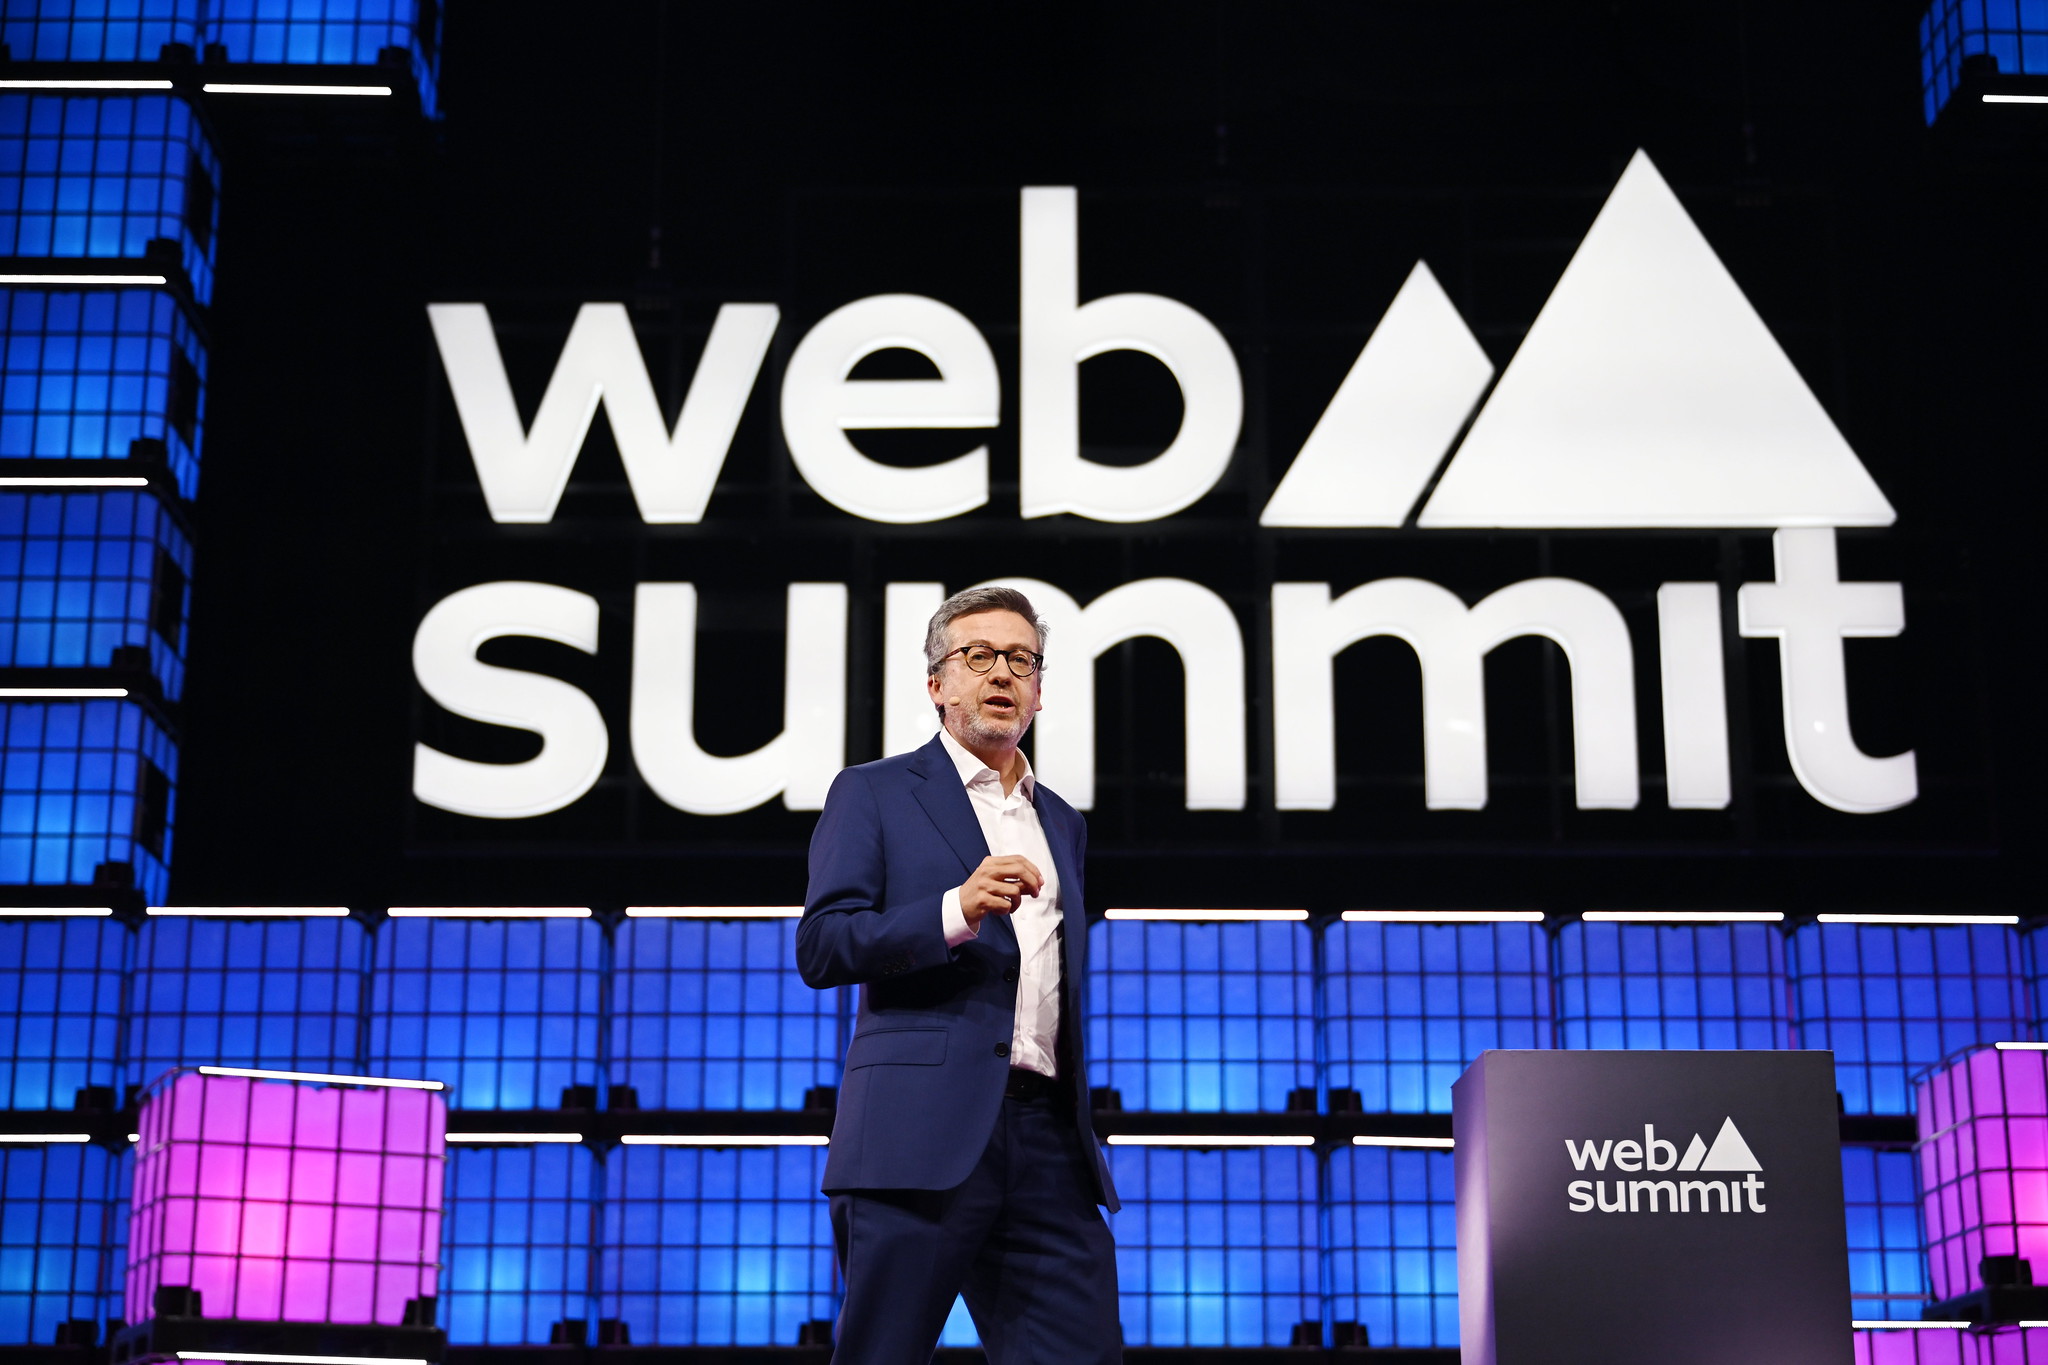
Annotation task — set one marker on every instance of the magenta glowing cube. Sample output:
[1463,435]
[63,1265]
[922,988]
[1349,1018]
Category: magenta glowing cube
[1953,1346]
[1984,1165]
[287,1201]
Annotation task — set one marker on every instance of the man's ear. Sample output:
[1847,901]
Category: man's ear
[932,686]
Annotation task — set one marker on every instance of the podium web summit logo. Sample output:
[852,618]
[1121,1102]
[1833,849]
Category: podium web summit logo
[1728,1154]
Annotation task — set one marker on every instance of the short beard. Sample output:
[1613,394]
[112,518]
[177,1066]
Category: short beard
[977,729]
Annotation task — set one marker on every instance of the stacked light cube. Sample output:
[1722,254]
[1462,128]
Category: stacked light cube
[281,1201]
[1984,1164]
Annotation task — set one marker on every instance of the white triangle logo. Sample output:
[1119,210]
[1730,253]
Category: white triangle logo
[1649,393]
[1696,1150]
[1729,1152]
[1396,413]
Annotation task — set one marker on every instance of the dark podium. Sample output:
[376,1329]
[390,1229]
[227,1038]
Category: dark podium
[1619,1208]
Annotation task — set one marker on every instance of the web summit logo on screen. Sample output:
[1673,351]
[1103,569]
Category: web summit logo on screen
[1729,1153]
[1647,394]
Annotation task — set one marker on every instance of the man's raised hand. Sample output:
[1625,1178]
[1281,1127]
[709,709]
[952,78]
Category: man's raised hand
[996,887]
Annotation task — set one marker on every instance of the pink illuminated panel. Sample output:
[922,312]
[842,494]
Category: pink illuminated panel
[279,1200]
[1984,1166]
[1953,1346]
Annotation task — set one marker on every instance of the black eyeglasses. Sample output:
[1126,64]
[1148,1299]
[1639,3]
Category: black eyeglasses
[1023,663]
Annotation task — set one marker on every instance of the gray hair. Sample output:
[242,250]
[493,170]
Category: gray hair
[966,603]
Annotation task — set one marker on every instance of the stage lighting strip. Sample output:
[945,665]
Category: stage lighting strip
[2021,1047]
[1364,1140]
[266,1358]
[229,88]
[1443,916]
[1683,916]
[2016,99]
[86,85]
[253,911]
[1206,916]
[489,912]
[73,693]
[258,1073]
[1210,1140]
[714,912]
[466,1139]
[23,911]
[45,1137]
[726,1140]
[77,481]
[83,279]
[1917,919]
[1908,1325]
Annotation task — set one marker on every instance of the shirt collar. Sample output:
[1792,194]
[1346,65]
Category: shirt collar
[972,769]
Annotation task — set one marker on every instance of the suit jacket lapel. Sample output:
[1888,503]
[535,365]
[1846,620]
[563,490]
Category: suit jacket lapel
[945,801]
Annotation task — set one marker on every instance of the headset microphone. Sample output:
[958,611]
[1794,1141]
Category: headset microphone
[955,701]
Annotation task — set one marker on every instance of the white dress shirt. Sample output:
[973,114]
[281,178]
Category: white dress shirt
[1009,822]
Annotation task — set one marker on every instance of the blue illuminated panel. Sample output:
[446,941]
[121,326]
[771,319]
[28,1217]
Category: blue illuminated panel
[1891,999]
[102,175]
[516,1242]
[82,574]
[716,1246]
[1198,1017]
[1408,1006]
[505,1012]
[60,1008]
[333,33]
[710,1014]
[85,374]
[1393,1245]
[58,1207]
[1671,986]
[101,31]
[1215,1248]
[85,783]
[1887,1257]
[282,993]
[2015,32]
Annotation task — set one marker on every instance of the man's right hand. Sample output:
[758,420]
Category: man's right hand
[997,886]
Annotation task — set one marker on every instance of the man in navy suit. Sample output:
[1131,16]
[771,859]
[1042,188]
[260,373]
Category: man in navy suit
[948,883]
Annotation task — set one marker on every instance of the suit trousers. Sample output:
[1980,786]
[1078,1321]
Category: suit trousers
[1021,1238]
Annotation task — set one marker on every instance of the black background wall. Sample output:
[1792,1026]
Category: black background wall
[1280,168]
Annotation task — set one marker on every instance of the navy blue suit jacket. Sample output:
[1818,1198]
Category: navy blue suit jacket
[928,1061]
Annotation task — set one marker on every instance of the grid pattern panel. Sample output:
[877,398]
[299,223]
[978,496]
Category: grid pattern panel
[278,993]
[57,1208]
[516,1242]
[1893,999]
[85,783]
[504,1012]
[710,1014]
[1393,1245]
[88,373]
[1671,986]
[2015,32]
[277,1201]
[332,33]
[1887,1267]
[1953,1346]
[716,1246]
[82,574]
[105,31]
[1215,1248]
[1408,1006]
[60,1008]
[102,175]
[1201,1017]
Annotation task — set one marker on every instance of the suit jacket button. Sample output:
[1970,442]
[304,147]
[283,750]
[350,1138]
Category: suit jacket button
[1010,975]
[1002,1049]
